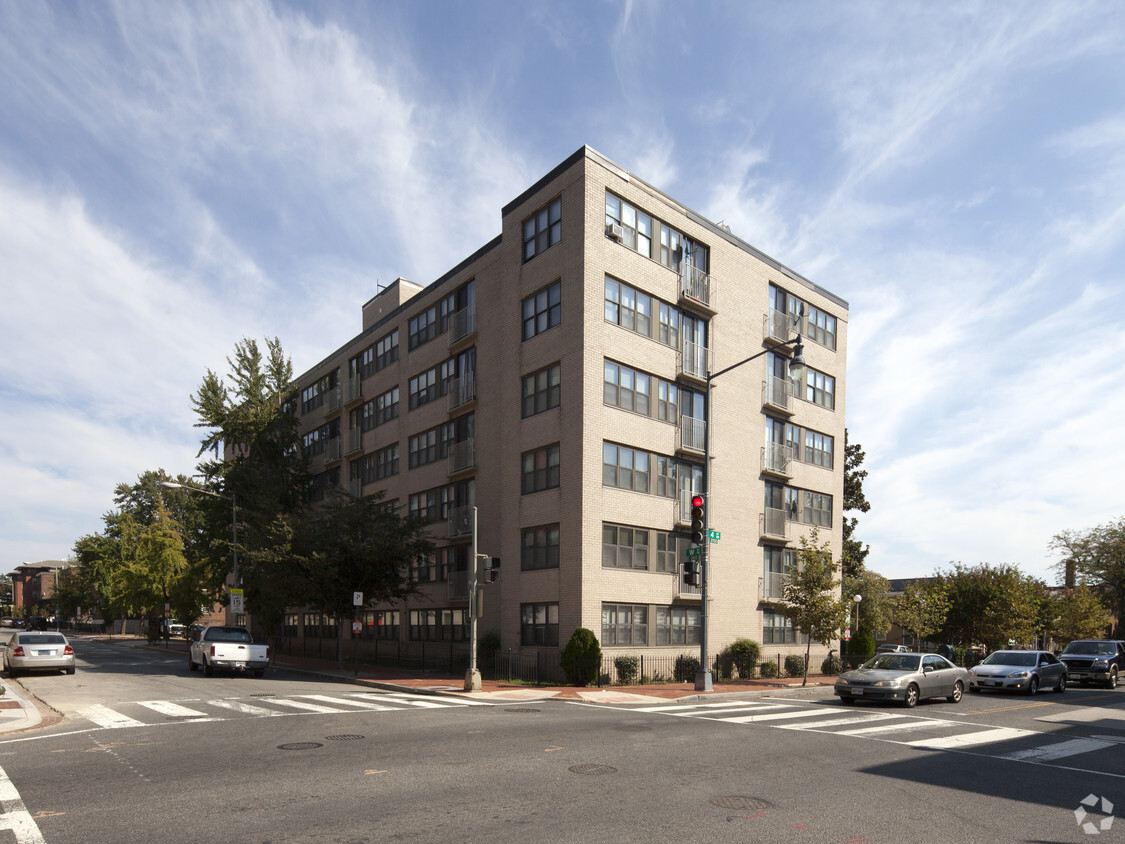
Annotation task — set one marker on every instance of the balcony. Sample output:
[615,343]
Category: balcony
[773,586]
[462,456]
[458,584]
[355,487]
[355,440]
[333,400]
[461,389]
[460,522]
[683,509]
[774,525]
[780,326]
[776,459]
[693,435]
[353,388]
[462,324]
[695,286]
[685,591]
[775,395]
[332,449]
[693,361]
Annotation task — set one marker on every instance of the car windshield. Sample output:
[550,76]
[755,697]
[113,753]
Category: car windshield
[1090,648]
[1021,658]
[893,662]
[42,639]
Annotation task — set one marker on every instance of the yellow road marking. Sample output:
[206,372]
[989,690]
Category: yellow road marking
[553,748]
[371,771]
[1011,708]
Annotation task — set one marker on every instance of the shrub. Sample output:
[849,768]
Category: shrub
[627,669]
[831,664]
[686,668]
[768,669]
[582,657]
[794,665]
[744,655]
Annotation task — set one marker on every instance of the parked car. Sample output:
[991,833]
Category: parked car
[1094,660]
[904,677]
[221,648]
[1021,671]
[892,649]
[175,630]
[37,651]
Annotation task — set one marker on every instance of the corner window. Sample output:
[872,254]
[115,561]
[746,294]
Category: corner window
[542,230]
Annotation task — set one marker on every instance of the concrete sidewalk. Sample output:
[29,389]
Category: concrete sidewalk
[17,710]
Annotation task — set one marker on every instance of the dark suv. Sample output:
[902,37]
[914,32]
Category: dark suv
[1097,660]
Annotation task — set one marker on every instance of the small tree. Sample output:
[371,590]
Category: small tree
[812,596]
[1080,615]
[744,655]
[582,657]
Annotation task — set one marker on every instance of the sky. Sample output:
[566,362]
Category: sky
[175,177]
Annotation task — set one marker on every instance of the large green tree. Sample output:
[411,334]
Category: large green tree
[1095,557]
[921,609]
[990,605]
[854,552]
[811,595]
[1079,613]
[872,614]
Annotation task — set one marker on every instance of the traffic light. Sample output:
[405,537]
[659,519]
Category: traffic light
[491,569]
[692,574]
[698,534]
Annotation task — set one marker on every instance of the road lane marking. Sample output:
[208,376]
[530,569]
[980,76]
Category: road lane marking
[1059,750]
[707,707]
[840,722]
[301,704]
[105,717]
[361,704]
[15,816]
[244,708]
[971,739]
[909,725]
[772,716]
[174,710]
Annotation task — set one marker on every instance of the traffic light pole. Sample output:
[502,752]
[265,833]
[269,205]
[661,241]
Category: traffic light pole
[703,680]
[472,676]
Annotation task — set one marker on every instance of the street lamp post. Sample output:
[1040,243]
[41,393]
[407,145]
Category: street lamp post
[796,370]
[234,518]
[857,598]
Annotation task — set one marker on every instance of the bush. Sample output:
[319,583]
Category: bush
[744,655]
[862,644]
[627,669]
[768,669]
[794,665]
[582,657]
[686,668]
[831,664]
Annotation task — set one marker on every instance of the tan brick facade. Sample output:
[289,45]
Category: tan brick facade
[581,343]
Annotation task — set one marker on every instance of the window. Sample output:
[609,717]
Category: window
[669,331]
[818,449]
[542,230]
[384,623]
[425,505]
[313,443]
[820,388]
[362,471]
[439,625]
[671,247]
[539,624]
[424,388]
[539,548]
[624,624]
[363,364]
[778,566]
[777,629]
[627,388]
[542,311]
[818,509]
[540,469]
[423,327]
[628,307]
[386,462]
[636,225]
[821,328]
[386,406]
[624,547]
[386,350]
[670,550]
[678,626]
[542,390]
[625,468]
[423,448]
[313,395]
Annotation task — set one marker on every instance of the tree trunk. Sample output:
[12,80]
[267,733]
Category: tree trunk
[808,648]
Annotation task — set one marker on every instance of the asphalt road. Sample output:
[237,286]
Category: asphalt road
[149,752]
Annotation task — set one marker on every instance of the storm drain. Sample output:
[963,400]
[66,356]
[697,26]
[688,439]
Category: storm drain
[740,801]
[342,738]
[300,745]
[592,770]
[516,709]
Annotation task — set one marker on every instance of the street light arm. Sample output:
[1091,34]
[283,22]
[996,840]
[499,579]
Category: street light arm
[174,485]
[796,342]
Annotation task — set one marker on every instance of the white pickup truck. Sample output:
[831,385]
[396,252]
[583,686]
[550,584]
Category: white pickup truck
[220,648]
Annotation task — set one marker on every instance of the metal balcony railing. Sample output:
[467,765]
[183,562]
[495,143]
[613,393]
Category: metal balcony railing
[462,324]
[693,360]
[333,400]
[775,393]
[462,455]
[353,388]
[355,439]
[774,524]
[683,510]
[776,458]
[779,326]
[458,585]
[685,591]
[355,487]
[461,389]
[693,434]
[332,449]
[695,284]
[460,522]
[773,586]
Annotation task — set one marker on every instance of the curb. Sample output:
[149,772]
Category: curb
[24,717]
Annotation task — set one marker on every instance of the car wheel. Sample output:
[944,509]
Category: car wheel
[1033,685]
[208,671]
[847,700]
[70,670]
[958,690]
[1061,687]
[911,699]
[1112,682]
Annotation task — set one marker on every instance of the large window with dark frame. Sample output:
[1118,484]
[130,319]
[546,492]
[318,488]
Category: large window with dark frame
[542,230]
[542,390]
[539,625]
[445,625]
[678,625]
[624,624]
[539,547]
[540,469]
[386,350]
[542,310]
[363,364]
[624,547]
[424,387]
[422,327]
[386,406]
[778,630]
[386,462]
[624,467]
[820,388]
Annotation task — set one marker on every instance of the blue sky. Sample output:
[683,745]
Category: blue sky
[175,177]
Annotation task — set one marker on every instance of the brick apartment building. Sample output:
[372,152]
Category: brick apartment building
[555,379]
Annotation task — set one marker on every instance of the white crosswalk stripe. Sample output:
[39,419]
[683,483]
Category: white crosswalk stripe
[103,716]
[174,710]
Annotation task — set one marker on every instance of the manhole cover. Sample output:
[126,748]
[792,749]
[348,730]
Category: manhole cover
[342,738]
[633,728]
[592,770]
[300,745]
[740,801]
[521,710]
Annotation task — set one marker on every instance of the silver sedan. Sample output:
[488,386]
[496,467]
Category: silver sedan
[30,651]
[1018,671]
[907,678]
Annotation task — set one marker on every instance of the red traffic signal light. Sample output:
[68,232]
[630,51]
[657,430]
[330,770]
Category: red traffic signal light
[697,532]
[697,502]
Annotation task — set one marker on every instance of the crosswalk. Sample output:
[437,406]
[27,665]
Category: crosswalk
[142,713]
[896,727]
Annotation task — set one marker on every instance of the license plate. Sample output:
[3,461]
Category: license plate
[857,691]
[990,682]
[46,653]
